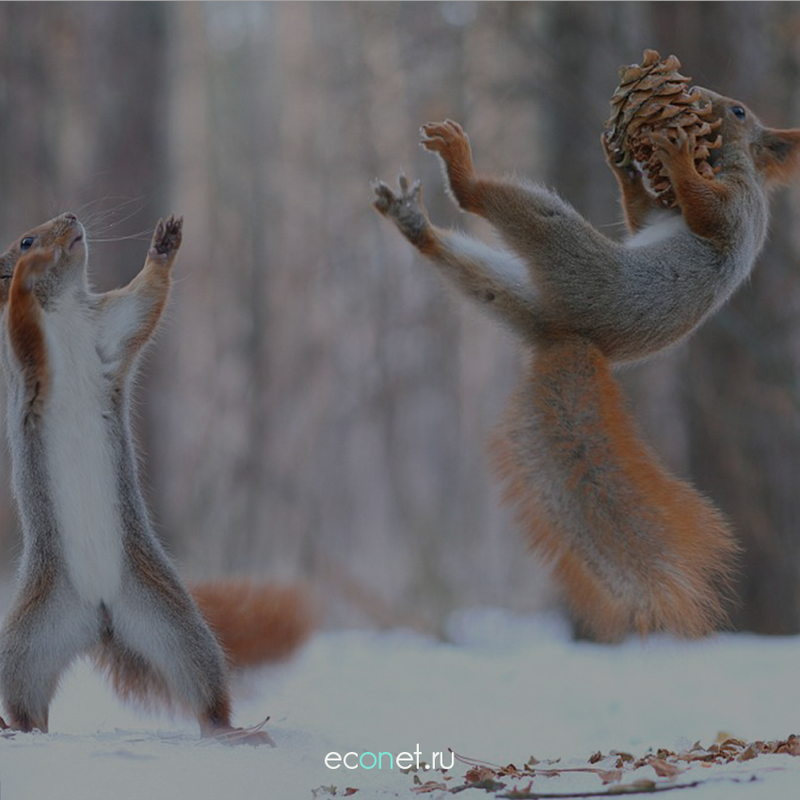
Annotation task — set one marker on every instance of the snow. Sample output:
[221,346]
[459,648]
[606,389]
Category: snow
[500,688]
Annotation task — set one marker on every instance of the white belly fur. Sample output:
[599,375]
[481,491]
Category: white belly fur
[79,456]
[660,225]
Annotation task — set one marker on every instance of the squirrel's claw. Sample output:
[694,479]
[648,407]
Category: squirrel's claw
[384,196]
[440,136]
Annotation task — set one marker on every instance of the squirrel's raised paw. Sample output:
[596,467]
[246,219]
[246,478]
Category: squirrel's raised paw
[614,156]
[405,209]
[384,197]
[31,265]
[167,237]
[681,147]
[389,204]
[449,141]
[441,136]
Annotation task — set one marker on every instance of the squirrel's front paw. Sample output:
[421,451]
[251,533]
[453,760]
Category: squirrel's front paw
[32,265]
[392,205]
[167,238]
[615,159]
[448,139]
[678,151]
[405,209]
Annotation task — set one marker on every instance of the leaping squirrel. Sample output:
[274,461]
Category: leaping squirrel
[633,546]
[93,577]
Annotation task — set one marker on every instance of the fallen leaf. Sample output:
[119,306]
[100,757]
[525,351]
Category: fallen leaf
[750,752]
[610,776]
[625,758]
[428,787]
[664,769]
[478,774]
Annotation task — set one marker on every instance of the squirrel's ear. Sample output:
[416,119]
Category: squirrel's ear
[777,155]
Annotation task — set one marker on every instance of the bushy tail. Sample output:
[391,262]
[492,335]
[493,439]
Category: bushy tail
[633,547]
[255,622]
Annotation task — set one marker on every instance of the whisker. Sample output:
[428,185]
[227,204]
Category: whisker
[142,236]
[104,219]
[90,204]
[113,203]
[109,210]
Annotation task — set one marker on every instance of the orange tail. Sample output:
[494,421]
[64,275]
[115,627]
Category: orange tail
[255,622]
[632,546]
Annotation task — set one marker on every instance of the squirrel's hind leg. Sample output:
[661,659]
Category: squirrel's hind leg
[161,646]
[44,631]
[162,649]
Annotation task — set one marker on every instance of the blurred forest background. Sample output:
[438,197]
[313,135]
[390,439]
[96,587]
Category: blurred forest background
[317,405]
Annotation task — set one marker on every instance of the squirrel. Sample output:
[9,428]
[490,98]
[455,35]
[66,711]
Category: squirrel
[632,546]
[93,577]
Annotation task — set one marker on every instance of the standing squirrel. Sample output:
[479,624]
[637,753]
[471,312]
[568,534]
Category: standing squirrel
[633,546]
[93,577]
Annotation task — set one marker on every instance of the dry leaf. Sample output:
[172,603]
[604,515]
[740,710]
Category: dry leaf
[429,786]
[478,774]
[790,746]
[610,776]
[751,752]
[664,769]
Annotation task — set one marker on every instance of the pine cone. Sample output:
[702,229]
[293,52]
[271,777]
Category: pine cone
[654,96]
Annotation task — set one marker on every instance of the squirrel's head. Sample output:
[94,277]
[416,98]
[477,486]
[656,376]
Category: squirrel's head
[67,238]
[774,152]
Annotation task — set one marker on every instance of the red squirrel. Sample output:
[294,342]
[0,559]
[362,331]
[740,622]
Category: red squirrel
[632,546]
[93,577]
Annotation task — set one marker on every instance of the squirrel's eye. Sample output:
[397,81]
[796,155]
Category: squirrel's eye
[738,112]
[26,243]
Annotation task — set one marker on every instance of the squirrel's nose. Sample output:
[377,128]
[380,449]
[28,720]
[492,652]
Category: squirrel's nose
[70,216]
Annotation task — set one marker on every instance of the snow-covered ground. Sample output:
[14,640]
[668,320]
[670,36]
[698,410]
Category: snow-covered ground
[502,689]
